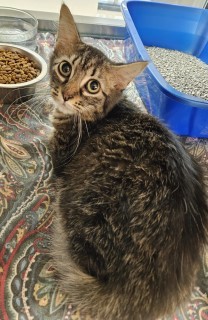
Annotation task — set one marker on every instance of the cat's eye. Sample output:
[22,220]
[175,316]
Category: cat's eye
[64,68]
[92,86]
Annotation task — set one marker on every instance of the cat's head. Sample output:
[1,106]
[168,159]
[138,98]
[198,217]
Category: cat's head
[83,80]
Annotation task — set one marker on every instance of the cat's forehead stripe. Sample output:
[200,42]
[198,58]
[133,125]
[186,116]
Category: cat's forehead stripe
[93,72]
[85,58]
[89,58]
[74,59]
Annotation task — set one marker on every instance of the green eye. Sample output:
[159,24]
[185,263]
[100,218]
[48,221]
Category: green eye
[64,68]
[92,86]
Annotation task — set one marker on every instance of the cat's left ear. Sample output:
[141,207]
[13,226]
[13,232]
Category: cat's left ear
[124,74]
[67,31]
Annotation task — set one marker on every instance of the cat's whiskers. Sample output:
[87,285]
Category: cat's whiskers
[35,106]
[76,126]
[53,92]
[83,113]
[28,108]
[31,103]
[29,87]
[80,130]
[86,128]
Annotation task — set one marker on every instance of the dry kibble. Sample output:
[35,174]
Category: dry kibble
[16,68]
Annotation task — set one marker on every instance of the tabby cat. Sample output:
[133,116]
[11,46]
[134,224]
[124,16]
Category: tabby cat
[131,216]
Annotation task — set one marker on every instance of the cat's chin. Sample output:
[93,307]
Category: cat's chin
[64,108]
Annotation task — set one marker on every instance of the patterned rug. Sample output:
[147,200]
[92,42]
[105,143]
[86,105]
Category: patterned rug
[27,287]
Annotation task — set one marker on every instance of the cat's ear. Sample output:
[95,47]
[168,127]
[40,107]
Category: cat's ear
[67,31]
[124,74]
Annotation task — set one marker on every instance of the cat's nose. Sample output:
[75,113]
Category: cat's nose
[66,96]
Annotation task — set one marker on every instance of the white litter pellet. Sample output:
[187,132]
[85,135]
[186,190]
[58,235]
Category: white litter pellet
[182,71]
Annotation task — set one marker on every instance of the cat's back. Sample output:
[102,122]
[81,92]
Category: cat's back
[127,139]
[132,185]
[130,199]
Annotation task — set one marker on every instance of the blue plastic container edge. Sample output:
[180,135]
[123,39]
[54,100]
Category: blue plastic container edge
[163,84]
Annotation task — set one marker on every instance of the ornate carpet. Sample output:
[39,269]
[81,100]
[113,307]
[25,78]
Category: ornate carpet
[27,287]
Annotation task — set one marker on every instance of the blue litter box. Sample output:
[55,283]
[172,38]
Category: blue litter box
[173,27]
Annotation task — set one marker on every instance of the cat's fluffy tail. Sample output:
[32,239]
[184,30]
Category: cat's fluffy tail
[83,290]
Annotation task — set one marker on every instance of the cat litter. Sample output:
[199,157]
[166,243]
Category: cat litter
[182,71]
[180,103]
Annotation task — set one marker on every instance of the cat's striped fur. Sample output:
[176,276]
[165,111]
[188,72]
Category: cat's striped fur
[131,214]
